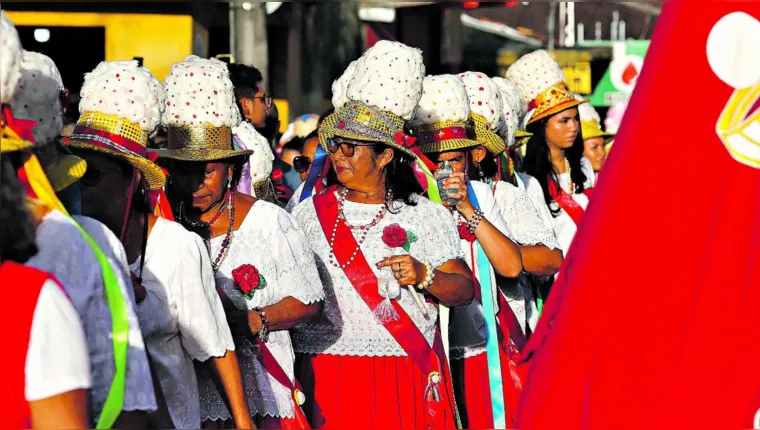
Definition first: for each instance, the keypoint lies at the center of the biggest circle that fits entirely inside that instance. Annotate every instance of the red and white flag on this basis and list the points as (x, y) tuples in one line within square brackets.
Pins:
[(655, 320)]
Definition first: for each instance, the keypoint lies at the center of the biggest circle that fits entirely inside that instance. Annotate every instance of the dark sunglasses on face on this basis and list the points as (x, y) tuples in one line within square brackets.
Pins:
[(301, 164), (347, 148)]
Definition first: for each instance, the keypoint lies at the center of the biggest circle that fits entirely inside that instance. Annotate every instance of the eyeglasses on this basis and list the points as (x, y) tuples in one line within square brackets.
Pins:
[(301, 164), (267, 100), (347, 148)]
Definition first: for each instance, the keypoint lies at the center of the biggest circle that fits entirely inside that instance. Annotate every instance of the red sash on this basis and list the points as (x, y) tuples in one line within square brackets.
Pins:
[(567, 202), (269, 362), (23, 289), (403, 330)]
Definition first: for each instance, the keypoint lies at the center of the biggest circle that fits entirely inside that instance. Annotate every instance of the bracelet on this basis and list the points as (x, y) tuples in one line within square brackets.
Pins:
[(429, 276), (474, 222), (264, 332)]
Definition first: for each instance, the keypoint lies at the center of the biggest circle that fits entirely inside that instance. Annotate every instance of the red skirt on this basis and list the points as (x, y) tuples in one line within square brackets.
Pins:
[(346, 392), (473, 391)]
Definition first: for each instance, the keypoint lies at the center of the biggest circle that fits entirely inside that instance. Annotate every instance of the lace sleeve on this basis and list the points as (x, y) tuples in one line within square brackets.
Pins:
[(439, 237), (202, 323), (588, 170), (296, 268), (491, 209), (523, 218)]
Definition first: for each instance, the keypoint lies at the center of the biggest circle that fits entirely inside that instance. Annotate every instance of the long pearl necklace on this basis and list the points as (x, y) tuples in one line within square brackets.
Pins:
[(363, 230), (571, 187)]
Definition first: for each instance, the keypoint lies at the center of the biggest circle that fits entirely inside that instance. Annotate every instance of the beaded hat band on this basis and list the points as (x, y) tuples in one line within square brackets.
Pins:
[(492, 141), (444, 136)]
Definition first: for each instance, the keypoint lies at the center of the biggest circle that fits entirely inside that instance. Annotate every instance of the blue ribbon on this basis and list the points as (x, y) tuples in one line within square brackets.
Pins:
[(317, 165), (489, 314)]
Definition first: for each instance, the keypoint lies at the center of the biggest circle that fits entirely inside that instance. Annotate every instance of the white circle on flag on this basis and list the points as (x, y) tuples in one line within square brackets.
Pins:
[(732, 50)]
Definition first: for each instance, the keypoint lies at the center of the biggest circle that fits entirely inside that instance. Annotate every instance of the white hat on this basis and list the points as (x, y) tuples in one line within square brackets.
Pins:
[(541, 84), (10, 59), (126, 90), (383, 93), (120, 106), (199, 92), (262, 157), (514, 109), (486, 110), (440, 123), (389, 77), (38, 96), (340, 86)]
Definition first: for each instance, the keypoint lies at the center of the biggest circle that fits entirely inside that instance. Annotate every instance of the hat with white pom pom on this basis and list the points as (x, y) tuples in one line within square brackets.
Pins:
[(542, 86), (382, 93), (591, 126), (200, 111), (486, 110), (514, 111), (38, 99), (440, 123), (120, 107), (340, 86), (15, 135)]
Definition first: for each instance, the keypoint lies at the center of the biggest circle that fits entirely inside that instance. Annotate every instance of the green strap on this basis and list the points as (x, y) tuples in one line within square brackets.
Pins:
[(539, 301), (120, 335)]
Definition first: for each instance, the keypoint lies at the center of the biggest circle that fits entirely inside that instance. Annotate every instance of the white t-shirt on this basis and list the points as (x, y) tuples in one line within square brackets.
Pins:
[(182, 317), (56, 360)]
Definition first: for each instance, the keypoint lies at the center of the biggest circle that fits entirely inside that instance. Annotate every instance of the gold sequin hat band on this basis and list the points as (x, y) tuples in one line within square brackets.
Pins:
[(118, 137), (444, 136), (201, 143)]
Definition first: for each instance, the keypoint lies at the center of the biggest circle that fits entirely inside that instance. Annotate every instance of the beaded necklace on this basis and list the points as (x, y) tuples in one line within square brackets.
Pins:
[(363, 229), (228, 237)]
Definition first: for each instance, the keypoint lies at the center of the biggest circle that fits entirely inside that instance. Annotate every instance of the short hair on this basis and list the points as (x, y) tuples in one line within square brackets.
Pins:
[(245, 79)]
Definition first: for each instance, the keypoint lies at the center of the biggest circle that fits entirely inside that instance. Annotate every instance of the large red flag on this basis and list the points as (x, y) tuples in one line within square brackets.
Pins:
[(655, 320)]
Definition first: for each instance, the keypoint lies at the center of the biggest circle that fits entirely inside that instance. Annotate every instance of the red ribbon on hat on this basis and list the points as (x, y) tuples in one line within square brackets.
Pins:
[(21, 127), (159, 202), (443, 134), (410, 143)]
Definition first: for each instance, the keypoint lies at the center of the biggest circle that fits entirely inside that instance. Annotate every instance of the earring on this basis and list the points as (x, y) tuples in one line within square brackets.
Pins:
[(229, 182)]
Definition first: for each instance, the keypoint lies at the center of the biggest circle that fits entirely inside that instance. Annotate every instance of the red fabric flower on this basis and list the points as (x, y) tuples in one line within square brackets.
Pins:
[(464, 232), (247, 279), (394, 236)]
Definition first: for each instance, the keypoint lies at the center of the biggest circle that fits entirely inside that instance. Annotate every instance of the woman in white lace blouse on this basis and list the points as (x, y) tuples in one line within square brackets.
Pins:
[(375, 359), (265, 273)]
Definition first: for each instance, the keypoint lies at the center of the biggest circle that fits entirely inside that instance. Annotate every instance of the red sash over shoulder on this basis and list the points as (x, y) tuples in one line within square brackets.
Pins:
[(430, 360), (22, 286), (567, 202)]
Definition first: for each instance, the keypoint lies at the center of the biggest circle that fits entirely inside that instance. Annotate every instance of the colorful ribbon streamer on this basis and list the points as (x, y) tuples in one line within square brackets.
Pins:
[(39, 188), (489, 314)]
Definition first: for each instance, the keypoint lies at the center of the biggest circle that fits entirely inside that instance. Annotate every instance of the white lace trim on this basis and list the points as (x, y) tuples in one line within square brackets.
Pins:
[(522, 217), (347, 326), (270, 240)]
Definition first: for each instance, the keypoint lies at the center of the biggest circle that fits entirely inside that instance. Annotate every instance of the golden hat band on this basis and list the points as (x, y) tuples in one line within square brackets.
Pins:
[(552, 101), (739, 133), (492, 141), (201, 143)]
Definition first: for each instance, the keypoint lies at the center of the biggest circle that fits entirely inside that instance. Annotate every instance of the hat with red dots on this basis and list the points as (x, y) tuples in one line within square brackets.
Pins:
[(486, 110)]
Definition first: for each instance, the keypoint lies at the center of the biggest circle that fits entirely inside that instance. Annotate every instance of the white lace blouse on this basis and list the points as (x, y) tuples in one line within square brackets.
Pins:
[(182, 318), (269, 240), (467, 328), (64, 252), (347, 325)]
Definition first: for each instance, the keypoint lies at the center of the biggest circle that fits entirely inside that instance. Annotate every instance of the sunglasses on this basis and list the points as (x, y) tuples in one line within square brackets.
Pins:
[(266, 99), (301, 164), (347, 148)]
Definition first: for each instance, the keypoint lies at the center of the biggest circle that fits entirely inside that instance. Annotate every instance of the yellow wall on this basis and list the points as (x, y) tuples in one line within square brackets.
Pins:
[(161, 40)]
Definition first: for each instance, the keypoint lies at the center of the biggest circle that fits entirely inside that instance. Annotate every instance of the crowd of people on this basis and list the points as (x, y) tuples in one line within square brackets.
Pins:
[(176, 263)]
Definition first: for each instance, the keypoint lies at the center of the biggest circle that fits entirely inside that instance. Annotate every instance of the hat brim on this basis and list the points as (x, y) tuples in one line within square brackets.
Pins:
[(13, 145), (449, 145), (556, 109), (153, 174), (189, 154), (329, 129), (67, 170)]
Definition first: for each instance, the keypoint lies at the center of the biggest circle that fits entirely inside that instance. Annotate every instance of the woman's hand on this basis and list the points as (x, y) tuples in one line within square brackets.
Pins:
[(406, 269), (140, 291), (254, 322), (458, 182)]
